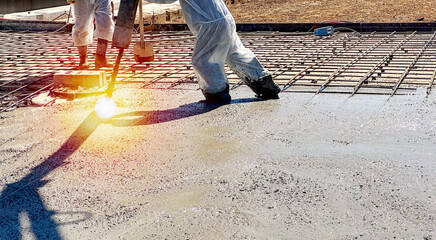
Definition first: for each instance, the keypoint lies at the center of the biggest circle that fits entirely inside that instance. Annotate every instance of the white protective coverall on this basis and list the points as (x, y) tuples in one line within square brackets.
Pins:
[(85, 11), (217, 43)]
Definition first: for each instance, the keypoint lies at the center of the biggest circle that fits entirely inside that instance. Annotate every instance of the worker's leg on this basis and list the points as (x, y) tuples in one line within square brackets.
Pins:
[(245, 64), (83, 29), (104, 31), (243, 61), (208, 25), (83, 55), (209, 57), (100, 56)]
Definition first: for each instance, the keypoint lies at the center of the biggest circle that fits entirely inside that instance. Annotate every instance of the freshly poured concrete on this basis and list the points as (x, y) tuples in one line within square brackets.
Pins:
[(302, 167)]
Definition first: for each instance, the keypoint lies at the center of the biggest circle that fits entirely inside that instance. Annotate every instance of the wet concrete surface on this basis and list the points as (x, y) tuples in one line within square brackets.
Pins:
[(168, 167)]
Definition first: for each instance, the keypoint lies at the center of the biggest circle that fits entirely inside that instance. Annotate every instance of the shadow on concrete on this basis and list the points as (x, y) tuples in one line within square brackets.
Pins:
[(139, 118), (22, 197)]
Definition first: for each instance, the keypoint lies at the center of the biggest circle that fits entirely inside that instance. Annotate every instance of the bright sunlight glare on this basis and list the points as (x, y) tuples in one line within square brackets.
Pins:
[(105, 108)]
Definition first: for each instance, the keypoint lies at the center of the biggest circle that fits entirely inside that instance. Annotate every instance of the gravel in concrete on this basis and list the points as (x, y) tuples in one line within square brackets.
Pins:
[(168, 167)]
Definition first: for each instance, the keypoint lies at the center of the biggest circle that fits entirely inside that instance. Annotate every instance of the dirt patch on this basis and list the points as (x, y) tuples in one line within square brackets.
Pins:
[(313, 11)]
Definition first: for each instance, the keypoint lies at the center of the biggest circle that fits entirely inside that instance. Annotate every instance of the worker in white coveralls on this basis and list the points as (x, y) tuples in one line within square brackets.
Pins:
[(85, 12), (217, 43)]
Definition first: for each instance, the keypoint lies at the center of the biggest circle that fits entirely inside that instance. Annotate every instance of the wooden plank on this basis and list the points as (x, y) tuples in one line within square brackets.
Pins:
[(79, 78)]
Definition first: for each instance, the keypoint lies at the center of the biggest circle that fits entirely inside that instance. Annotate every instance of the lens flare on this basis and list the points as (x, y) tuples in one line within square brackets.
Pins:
[(105, 108)]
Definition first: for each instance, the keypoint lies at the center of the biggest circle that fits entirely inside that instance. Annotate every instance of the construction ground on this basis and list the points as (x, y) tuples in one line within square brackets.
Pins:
[(347, 152)]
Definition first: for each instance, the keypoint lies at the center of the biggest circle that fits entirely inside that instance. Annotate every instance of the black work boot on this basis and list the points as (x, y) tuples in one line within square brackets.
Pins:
[(100, 56), (83, 54), (265, 87), (221, 98)]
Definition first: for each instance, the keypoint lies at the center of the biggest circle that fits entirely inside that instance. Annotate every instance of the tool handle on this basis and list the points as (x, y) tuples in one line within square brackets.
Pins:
[(111, 85), (141, 23)]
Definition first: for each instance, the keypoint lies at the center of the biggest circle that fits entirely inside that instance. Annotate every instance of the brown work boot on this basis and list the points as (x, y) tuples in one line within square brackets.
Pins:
[(83, 54), (100, 56), (265, 87)]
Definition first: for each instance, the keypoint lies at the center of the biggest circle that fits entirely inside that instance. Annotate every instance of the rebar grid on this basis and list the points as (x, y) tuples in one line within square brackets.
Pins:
[(351, 63)]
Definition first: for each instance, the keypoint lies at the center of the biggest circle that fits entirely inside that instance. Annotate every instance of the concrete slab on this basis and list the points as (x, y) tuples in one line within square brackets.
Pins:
[(167, 166), (80, 79), (47, 14)]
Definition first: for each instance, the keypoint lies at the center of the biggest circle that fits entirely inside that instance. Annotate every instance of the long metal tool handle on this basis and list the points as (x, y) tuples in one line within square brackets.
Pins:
[(111, 86), (141, 24)]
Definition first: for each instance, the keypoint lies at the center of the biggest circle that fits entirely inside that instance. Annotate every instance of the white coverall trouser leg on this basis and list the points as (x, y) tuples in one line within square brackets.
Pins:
[(85, 11), (217, 43)]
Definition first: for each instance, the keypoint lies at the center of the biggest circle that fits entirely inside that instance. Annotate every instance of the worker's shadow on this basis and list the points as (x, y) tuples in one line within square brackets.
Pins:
[(138, 118), (22, 197)]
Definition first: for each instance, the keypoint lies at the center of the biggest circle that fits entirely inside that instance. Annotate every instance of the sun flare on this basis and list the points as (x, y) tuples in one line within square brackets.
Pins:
[(105, 108)]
